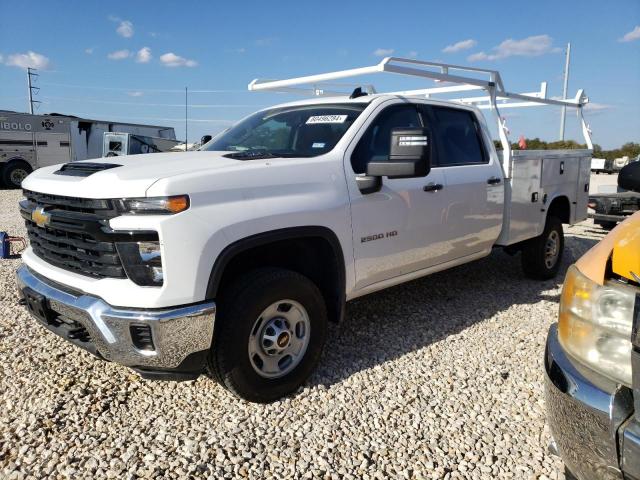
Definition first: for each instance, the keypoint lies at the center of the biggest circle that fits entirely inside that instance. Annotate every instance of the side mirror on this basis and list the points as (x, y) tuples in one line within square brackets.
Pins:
[(629, 177), (409, 155)]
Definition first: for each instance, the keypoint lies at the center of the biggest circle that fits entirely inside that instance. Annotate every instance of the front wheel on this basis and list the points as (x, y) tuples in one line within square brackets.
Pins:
[(270, 330), (541, 256)]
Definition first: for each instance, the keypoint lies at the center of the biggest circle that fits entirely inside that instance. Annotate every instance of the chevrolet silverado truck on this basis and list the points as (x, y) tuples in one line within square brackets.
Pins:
[(232, 259), (592, 359)]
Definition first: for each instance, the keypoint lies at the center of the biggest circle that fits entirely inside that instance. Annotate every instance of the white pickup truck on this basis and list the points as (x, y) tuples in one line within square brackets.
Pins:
[(233, 259)]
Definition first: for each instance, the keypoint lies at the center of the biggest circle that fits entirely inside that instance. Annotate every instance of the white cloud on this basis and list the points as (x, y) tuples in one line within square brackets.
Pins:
[(264, 42), (119, 55), (459, 46), (383, 52), (88, 51), (172, 60), (527, 47), (597, 107), (143, 55), (29, 59), (631, 36), (125, 29), (135, 94)]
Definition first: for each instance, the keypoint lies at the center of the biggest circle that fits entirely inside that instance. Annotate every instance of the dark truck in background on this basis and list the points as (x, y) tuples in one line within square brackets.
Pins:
[(612, 208)]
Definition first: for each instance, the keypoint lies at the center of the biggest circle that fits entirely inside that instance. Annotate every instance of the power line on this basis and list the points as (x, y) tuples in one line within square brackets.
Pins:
[(144, 104), (132, 89)]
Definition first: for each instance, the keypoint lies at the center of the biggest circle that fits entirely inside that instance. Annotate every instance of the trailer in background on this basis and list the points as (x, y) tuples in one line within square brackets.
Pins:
[(119, 143), (28, 142)]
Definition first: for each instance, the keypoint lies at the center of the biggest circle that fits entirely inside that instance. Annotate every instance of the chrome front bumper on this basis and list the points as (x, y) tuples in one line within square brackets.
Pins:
[(178, 335), (588, 415)]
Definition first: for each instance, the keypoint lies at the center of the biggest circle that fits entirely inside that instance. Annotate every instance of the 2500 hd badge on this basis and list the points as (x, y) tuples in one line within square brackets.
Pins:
[(378, 236)]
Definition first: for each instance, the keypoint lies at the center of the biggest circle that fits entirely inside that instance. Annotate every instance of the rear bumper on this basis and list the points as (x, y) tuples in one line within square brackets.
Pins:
[(601, 217), (165, 343), (588, 416)]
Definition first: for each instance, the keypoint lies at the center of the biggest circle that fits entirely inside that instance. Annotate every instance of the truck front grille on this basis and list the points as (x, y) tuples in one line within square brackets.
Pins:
[(76, 252), (74, 234)]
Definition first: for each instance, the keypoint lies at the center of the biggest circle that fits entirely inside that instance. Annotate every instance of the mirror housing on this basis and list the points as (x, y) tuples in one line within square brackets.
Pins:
[(409, 155), (629, 177)]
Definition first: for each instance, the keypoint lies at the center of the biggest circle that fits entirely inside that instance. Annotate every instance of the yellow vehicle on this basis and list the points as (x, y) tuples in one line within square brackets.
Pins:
[(592, 359)]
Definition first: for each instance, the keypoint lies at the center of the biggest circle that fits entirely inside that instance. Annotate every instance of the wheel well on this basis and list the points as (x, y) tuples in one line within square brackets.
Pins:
[(316, 256), (560, 208)]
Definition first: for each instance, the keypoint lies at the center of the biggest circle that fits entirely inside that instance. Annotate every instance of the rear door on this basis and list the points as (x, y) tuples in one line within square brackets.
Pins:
[(52, 148), (474, 192)]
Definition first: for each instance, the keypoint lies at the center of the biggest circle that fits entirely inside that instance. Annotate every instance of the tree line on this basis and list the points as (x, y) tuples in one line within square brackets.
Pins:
[(629, 149)]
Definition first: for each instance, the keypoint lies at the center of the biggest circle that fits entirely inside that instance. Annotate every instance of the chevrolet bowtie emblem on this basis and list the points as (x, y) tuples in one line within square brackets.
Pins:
[(41, 217)]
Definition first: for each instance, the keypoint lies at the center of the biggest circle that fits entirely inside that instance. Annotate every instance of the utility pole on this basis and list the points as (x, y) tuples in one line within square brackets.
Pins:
[(564, 89), (32, 89), (186, 113)]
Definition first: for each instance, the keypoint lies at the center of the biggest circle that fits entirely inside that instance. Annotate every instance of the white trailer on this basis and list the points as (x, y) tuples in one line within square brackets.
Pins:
[(28, 142), (120, 143)]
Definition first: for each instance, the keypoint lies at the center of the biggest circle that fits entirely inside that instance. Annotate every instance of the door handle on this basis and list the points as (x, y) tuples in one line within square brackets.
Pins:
[(432, 187), (494, 181)]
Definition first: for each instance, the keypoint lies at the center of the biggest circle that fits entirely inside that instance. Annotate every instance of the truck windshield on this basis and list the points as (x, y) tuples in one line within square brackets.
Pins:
[(298, 131)]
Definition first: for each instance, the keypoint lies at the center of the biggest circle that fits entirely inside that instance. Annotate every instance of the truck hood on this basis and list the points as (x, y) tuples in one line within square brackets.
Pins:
[(622, 245), (132, 178)]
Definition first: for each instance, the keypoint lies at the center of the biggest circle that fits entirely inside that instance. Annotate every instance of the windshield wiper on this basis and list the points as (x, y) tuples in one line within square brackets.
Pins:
[(251, 155)]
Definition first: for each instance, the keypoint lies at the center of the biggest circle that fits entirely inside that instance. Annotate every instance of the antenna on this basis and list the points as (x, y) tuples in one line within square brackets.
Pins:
[(563, 113), (186, 131), (32, 89)]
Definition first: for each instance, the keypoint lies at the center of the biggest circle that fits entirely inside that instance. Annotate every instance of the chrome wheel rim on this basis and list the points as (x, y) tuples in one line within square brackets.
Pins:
[(279, 339), (17, 176), (552, 249)]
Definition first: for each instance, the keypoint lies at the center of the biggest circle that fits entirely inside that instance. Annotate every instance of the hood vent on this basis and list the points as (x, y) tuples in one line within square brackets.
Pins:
[(84, 169)]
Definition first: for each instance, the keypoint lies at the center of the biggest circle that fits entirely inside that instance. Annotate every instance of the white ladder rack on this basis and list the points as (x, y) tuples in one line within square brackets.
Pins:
[(490, 81)]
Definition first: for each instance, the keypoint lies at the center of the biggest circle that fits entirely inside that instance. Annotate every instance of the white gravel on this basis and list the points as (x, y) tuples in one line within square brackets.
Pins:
[(439, 378)]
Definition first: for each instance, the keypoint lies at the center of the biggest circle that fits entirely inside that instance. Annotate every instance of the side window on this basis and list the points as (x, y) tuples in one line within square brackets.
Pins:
[(376, 141), (457, 137)]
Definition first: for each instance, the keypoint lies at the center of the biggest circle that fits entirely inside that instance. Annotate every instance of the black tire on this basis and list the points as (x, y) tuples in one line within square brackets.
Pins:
[(535, 254), (568, 475), (14, 172), (239, 308), (607, 225)]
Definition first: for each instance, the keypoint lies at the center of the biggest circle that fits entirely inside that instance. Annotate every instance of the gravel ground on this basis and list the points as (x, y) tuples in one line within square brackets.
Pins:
[(438, 378)]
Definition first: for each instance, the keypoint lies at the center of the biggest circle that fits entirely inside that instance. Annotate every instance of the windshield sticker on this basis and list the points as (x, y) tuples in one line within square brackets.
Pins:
[(318, 145), (327, 119)]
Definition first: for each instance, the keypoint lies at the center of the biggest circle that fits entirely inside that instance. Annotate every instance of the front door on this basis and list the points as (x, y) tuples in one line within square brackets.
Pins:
[(397, 230)]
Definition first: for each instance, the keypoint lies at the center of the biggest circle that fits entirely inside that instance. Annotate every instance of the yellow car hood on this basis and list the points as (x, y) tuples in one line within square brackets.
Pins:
[(622, 244)]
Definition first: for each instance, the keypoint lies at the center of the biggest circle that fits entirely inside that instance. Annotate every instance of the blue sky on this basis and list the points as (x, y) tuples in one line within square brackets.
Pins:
[(130, 61)]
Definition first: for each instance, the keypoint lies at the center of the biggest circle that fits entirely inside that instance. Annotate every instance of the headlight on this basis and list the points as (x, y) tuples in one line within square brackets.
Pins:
[(142, 262), (154, 205), (595, 324)]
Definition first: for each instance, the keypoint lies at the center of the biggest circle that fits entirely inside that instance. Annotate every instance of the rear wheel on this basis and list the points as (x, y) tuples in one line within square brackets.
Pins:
[(541, 256), (15, 172), (270, 330)]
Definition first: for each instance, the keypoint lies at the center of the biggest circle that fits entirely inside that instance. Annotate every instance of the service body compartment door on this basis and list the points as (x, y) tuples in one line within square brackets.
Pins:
[(582, 192), (524, 217)]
